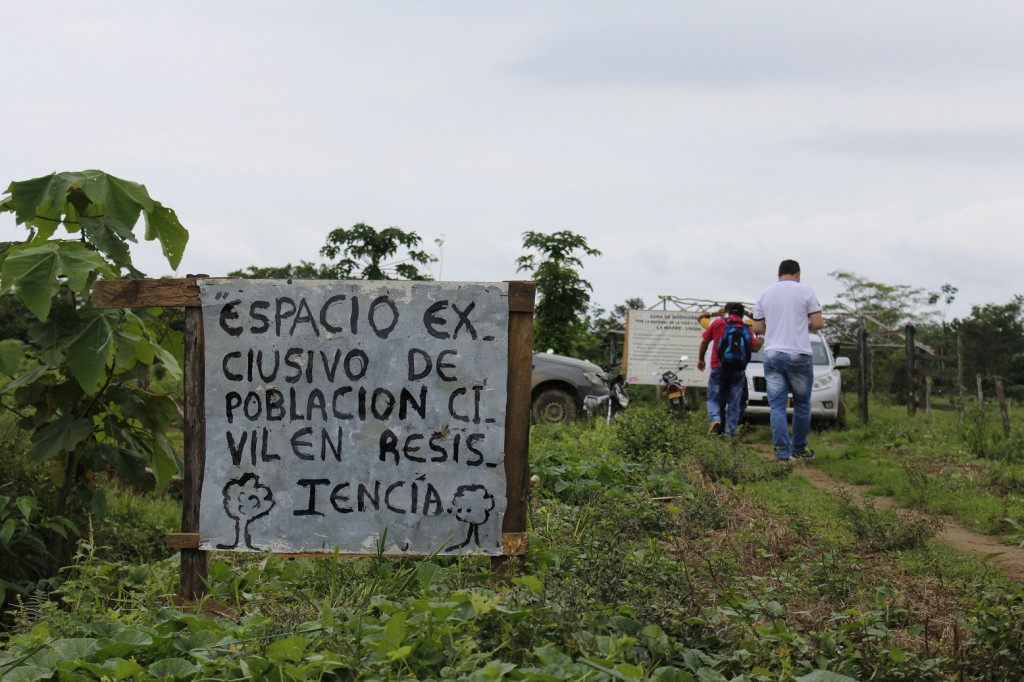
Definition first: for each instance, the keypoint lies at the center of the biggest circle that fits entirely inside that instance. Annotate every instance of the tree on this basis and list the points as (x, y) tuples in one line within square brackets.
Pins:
[(882, 307), (607, 332), (77, 382), (304, 270), (363, 252), (993, 341), (560, 317)]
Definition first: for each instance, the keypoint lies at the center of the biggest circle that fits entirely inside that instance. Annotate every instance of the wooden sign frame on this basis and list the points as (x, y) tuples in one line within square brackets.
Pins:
[(167, 293)]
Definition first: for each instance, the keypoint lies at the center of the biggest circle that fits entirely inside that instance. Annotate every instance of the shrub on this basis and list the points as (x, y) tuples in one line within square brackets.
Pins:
[(884, 530)]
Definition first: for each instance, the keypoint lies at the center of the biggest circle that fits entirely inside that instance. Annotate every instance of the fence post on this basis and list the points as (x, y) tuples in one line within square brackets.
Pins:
[(961, 389), (194, 561), (981, 390), (911, 379), (1003, 411), (928, 395), (862, 373)]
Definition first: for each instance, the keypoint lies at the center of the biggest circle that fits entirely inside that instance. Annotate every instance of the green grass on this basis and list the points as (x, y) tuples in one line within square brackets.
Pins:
[(923, 463), (655, 553)]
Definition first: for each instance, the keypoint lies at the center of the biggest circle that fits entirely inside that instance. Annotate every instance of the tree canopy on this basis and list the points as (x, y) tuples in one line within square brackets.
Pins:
[(560, 318), (358, 252)]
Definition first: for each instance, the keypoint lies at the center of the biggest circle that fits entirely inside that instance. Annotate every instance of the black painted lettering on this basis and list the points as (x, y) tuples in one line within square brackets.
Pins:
[(414, 373), (410, 448), (264, 374), (432, 505), (364, 495), (390, 315), (433, 322), (463, 321), (228, 374), (388, 446), (285, 308), (436, 444), (237, 448), (305, 316), (291, 359), (232, 400), (442, 365), (387, 497), (327, 444), (311, 509), (298, 444), (330, 370), (338, 497), (275, 405), (357, 363), (451, 405), (316, 403), (406, 399), (382, 404), (324, 312), (336, 399), (265, 454), (229, 314), (471, 441), (259, 317)]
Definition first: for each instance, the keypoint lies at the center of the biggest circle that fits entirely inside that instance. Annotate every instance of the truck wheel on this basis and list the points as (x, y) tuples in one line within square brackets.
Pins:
[(553, 406)]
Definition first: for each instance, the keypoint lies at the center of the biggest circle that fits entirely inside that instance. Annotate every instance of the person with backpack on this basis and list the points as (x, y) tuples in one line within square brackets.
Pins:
[(731, 342), (786, 313)]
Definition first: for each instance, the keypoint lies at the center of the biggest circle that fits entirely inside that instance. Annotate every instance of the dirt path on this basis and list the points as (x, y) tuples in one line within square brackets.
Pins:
[(1010, 559)]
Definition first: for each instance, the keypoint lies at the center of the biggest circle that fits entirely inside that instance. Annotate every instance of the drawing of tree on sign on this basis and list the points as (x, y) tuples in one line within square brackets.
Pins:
[(246, 499), (471, 504)]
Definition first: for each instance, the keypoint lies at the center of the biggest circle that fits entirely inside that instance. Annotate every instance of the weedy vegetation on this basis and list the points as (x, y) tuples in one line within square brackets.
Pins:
[(656, 553)]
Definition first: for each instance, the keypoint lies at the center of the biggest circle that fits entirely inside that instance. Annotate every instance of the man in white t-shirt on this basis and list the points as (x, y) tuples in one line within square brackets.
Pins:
[(786, 313)]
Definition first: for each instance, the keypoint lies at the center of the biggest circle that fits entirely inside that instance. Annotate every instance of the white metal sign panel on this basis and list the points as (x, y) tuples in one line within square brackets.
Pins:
[(656, 339), (361, 416)]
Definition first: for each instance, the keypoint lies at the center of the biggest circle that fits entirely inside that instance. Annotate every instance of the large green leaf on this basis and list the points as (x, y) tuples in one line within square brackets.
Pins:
[(105, 207), (90, 351), (34, 271), (11, 353), (162, 223), (48, 192), (59, 436)]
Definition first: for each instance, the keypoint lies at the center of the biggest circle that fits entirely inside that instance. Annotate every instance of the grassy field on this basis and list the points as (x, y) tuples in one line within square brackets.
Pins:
[(655, 553)]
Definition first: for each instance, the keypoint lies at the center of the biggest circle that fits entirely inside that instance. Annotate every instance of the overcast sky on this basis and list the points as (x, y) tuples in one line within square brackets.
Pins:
[(695, 144)]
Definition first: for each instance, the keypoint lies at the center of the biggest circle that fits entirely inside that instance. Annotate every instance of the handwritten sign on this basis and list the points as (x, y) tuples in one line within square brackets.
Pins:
[(358, 416), (656, 339)]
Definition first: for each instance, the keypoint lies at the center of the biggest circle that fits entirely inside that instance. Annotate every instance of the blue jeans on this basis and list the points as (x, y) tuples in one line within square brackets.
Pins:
[(786, 373), (725, 397), (714, 397)]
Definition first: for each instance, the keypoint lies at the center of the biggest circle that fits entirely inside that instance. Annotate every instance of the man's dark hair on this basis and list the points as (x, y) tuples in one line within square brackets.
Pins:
[(734, 309), (789, 267)]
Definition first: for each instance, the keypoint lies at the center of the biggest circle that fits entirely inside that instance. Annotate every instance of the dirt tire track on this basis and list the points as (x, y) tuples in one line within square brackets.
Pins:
[(1010, 559)]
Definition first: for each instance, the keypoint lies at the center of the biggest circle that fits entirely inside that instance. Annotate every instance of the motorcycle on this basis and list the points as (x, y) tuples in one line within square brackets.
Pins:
[(612, 404), (672, 388)]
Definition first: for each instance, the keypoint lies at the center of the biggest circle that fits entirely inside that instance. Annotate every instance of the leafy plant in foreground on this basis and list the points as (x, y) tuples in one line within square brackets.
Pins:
[(84, 392)]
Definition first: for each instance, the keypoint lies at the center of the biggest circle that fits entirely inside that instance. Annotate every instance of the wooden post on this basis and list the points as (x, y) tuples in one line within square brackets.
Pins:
[(911, 378), (521, 297), (862, 373), (961, 389), (195, 563), (981, 390), (928, 395), (1004, 413)]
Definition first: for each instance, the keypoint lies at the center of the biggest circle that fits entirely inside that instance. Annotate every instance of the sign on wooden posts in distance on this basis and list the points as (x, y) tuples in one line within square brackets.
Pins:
[(358, 416), (656, 339)]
